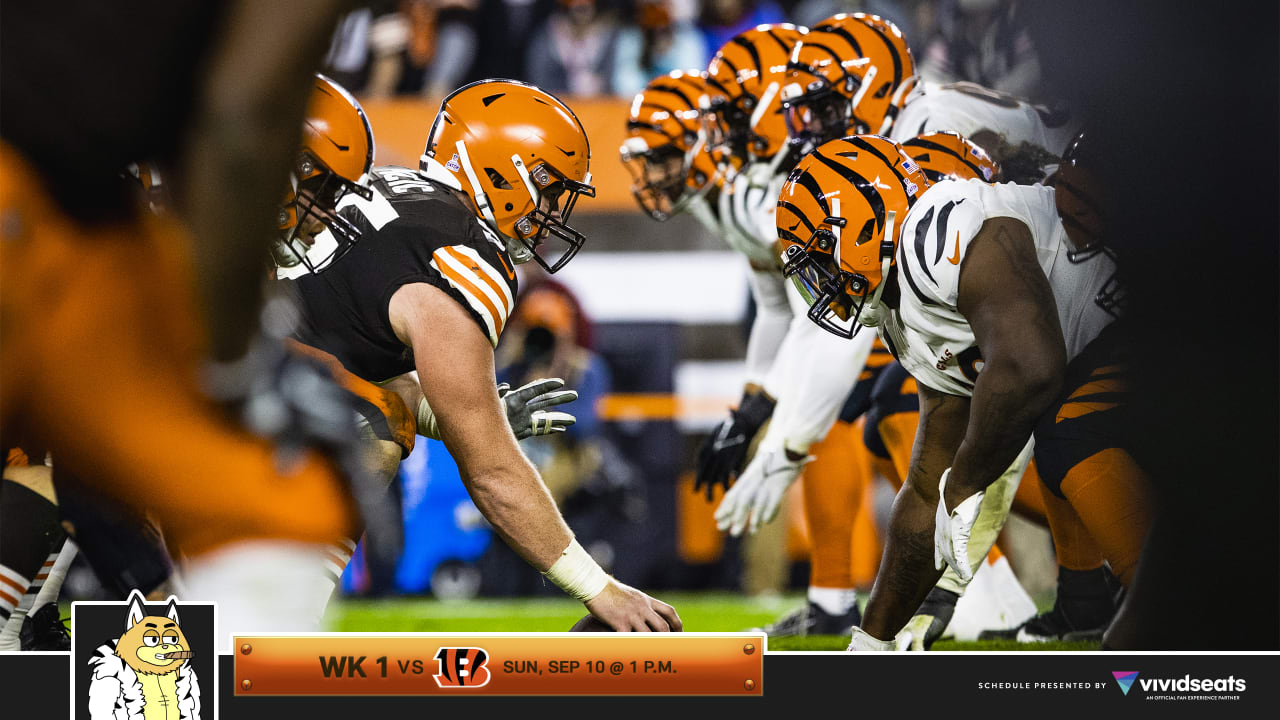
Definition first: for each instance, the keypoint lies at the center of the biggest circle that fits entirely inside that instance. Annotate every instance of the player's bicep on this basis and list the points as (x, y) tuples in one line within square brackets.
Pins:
[(455, 367), (1007, 300)]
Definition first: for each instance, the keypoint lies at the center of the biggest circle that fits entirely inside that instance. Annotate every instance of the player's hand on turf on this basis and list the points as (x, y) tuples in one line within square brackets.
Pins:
[(723, 454), (626, 609), (526, 405), (754, 499), (952, 530)]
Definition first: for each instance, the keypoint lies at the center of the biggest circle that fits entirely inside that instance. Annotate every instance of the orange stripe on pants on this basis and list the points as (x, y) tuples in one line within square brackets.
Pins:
[(1110, 494), (834, 486)]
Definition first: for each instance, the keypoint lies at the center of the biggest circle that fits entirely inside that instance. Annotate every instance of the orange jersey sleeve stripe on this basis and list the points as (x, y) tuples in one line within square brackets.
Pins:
[(475, 297), (484, 277)]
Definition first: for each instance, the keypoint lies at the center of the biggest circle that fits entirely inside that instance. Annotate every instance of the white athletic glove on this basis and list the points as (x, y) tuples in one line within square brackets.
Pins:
[(951, 531), (525, 406), (754, 498), (862, 642)]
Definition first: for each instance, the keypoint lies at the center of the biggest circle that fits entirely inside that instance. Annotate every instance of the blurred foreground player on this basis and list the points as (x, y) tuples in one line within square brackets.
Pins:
[(429, 288), (109, 315)]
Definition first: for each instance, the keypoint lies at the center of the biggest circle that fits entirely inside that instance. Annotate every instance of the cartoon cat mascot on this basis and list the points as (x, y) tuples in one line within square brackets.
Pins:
[(147, 675)]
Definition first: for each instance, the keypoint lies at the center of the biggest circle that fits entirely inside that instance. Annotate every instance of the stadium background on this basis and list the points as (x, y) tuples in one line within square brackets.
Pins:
[(664, 307)]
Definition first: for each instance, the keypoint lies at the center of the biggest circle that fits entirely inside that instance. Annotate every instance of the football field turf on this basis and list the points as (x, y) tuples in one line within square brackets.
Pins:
[(701, 612)]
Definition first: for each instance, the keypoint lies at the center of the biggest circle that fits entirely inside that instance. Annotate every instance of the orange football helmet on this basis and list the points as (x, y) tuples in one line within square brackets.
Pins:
[(849, 74), (666, 146), (745, 121), (947, 154), (839, 219), (522, 157), (335, 159)]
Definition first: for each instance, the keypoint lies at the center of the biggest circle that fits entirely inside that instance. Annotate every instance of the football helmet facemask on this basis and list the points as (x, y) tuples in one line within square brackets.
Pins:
[(335, 159), (839, 219), (666, 147), (523, 159)]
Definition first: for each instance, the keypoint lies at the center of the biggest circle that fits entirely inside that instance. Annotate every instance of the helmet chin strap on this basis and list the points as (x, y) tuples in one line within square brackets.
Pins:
[(870, 315)]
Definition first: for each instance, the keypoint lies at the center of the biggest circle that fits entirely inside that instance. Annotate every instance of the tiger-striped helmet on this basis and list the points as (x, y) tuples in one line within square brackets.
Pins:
[(746, 76), (839, 218), (849, 74), (946, 154), (666, 147)]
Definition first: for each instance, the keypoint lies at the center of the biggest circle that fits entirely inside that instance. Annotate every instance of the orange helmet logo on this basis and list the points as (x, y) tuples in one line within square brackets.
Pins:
[(839, 217), (335, 159), (522, 157), (666, 149)]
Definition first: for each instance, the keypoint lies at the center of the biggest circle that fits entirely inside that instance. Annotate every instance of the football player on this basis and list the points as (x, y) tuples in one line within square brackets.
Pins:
[(147, 321), (666, 149), (675, 169), (429, 288), (747, 135), (855, 73), (992, 358), (844, 81)]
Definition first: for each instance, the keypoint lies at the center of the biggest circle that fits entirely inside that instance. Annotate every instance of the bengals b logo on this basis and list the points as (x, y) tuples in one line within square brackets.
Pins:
[(461, 667)]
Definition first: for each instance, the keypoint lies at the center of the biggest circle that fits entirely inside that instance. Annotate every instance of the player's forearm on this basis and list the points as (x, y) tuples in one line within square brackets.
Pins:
[(1009, 398), (906, 571), (770, 326), (516, 503), (821, 371)]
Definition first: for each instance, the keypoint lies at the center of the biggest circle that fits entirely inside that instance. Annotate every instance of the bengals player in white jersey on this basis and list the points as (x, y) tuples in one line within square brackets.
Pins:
[(994, 298), (843, 81), (428, 288)]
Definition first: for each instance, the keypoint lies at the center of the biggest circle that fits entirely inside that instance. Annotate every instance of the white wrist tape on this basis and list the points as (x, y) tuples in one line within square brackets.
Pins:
[(427, 421), (577, 573)]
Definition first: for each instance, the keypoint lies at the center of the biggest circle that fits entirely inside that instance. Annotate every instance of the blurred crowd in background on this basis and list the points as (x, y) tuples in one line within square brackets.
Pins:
[(587, 48)]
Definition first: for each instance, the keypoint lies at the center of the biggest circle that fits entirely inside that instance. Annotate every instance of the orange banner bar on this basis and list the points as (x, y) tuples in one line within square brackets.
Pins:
[(498, 664)]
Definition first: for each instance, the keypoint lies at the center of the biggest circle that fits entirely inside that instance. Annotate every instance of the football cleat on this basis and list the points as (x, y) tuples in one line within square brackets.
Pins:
[(44, 630), (811, 619), (1087, 601)]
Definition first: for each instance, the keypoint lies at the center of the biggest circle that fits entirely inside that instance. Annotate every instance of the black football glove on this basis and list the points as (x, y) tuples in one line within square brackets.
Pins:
[(724, 452)]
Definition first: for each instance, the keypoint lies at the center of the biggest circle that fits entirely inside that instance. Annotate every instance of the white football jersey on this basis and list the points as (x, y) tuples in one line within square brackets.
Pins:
[(930, 337), (967, 108), (748, 205)]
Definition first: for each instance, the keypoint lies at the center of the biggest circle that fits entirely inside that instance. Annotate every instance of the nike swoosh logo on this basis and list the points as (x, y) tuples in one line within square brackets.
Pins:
[(511, 275), (955, 257), (793, 227)]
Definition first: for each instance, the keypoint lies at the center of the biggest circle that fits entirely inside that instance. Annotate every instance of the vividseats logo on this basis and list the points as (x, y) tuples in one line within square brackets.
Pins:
[(1125, 678), (1183, 688)]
